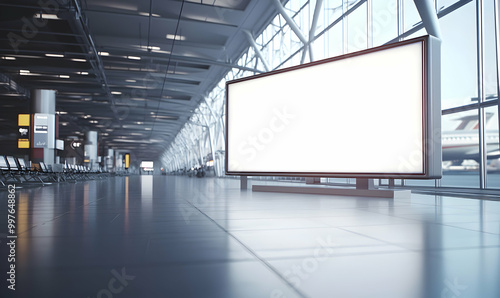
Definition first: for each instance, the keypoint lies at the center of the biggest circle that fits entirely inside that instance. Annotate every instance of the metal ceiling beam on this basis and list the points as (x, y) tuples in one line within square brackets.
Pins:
[(314, 24), (290, 22), (13, 86), (427, 13), (96, 61), (257, 50)]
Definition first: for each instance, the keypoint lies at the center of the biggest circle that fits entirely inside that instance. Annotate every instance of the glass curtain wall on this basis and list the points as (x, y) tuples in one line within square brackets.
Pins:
[(470, 129)]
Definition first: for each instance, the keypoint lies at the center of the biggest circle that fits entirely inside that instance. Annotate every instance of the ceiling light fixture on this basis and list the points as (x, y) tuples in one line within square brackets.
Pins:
[(176, 37), (116, 92), (153, 48), (64, 76), (133, 58), (55, 55), (46, 16), (9, 58), (78, 60), (103, 54), (130, 81), (146, 14)]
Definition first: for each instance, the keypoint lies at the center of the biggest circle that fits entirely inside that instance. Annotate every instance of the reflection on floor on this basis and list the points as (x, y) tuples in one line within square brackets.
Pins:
[(171, 236)]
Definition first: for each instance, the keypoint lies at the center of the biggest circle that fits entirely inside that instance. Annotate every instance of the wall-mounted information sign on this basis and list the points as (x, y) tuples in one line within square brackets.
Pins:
[(43, 131), (127, 161), (23, 132)]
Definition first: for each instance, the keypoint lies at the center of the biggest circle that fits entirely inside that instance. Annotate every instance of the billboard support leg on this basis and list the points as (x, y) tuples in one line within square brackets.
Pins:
[(364, 183), (243, 182)]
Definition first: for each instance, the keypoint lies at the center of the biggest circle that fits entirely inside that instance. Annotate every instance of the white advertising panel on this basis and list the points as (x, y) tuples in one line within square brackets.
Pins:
[(374, 113), (44, 131)]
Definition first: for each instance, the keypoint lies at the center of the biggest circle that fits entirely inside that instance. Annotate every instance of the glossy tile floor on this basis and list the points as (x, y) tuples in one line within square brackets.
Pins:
[(171, 236)]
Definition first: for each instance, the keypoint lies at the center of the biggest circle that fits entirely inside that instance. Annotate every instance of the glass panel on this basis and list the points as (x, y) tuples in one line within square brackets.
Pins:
[(460, 141), (493, 149), (356, 22), (411, 16), (332, 9), (385, 21), (445, 3), (490, 59), (458, 56)]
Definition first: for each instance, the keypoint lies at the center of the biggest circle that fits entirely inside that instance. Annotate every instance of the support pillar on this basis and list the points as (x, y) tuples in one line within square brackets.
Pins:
[(43, 138), (109, 160), (430, 20), (90, 149)]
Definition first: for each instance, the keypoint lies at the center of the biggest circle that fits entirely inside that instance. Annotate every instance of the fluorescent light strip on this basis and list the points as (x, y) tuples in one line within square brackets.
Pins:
[(176, 37), (55, 55), (46, 16), (9, 58), (78, 60), (133, 58), (146, 14), (103, 54)]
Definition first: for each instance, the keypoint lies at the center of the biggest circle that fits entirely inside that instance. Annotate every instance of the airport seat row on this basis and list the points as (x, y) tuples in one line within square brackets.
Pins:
[(15, 170)]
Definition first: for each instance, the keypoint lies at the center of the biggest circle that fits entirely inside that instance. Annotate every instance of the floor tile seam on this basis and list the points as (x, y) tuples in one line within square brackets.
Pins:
[(143, 264), (57, 217), (377, 239), (291, 217), (43, 223), (434, 222), (253, 253), (468, 229), (329, 226), (343, 255)]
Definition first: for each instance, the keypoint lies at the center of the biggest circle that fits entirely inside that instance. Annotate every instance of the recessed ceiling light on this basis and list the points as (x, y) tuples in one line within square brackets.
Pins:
[(83, 73), (116, 92), (64, 76), (176, 37), (130, 81), (133, 58), (103, 54), (148, 128), (146, 14), (24, 71), (55, 55), (153, 48), (94, 121), (78, 60), (9, 58), (46, 16), (139, 122)]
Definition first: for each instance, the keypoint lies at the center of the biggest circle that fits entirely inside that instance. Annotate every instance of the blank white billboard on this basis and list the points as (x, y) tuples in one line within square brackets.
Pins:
[(374, 113)]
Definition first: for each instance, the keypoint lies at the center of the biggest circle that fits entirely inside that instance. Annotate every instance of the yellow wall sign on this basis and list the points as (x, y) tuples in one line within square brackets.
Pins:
[(127, 160), (24, 120), (23, 143)]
